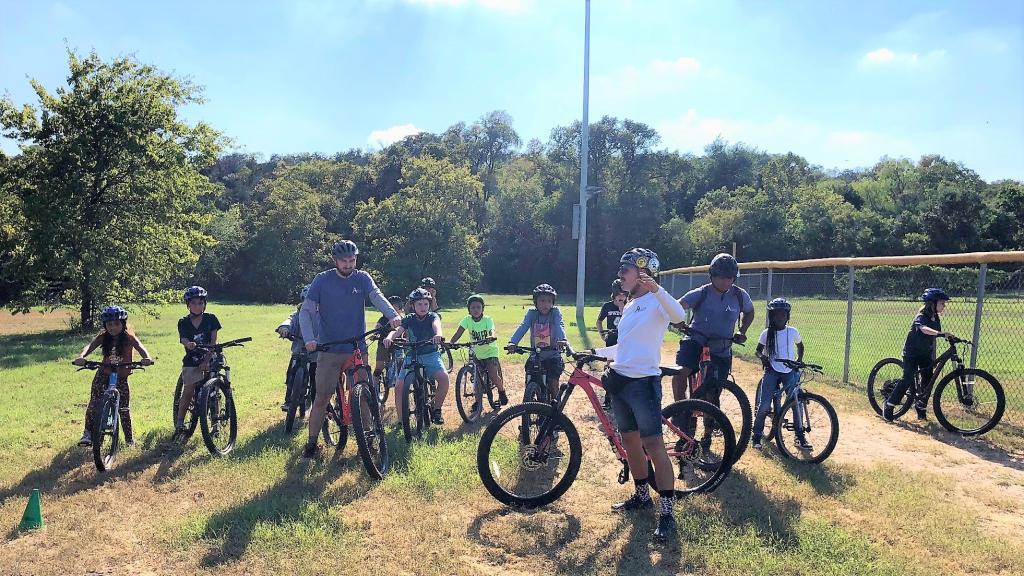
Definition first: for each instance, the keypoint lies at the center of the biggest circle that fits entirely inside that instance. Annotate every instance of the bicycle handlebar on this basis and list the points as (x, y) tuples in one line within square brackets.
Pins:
[(228, 344), (517, 349), (957, 340), (583, 357), (326, 346), (454, 346), (690, 331), (93, 365), (798, 365), (404, 343)]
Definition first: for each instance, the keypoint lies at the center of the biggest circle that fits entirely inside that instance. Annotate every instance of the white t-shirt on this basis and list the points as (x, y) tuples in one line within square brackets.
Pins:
[(785, 347), (641, 331)]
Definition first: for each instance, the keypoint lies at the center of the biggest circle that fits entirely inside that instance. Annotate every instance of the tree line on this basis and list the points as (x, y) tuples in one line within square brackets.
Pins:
[(115, 197)]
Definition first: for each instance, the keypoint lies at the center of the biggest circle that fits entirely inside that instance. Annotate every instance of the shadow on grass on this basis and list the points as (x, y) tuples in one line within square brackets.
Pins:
[(745, 504), (18, 350), (825, 478)]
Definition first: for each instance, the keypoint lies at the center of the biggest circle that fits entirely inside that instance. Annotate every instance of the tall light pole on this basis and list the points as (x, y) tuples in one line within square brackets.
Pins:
[(581, 253)]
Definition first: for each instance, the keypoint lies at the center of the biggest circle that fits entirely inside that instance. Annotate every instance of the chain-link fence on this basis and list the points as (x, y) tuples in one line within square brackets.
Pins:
[(852, 315)]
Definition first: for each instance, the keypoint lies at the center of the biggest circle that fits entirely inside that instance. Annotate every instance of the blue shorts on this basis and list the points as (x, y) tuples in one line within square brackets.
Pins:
[(431, 362), (637, 407)]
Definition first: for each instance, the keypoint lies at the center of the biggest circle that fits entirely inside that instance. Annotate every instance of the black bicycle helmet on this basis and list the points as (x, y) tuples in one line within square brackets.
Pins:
[(419, 294), (193, 292), (617, 286), (725, 266), (113, 313), (934, 295), (343, 249), (475, 298), (780, 304), (428, 282), (643, 259), (544, 289)]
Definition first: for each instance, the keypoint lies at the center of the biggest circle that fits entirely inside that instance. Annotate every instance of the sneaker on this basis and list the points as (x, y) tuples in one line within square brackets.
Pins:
[(475, 406), (756, 444), (129, 443), (502, 398), (607, 404), (633, 503), (803, 444), (887, 412), (666, 528), (285, 406), (436, 417), (312, 450), (86, 440), (922, 414), (180, 434)]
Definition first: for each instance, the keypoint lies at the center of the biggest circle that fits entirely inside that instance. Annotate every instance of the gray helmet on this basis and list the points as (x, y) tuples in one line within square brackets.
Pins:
[(428, 282), (419, 294), (193, 292), (344, 248), (643, 259), (544, 289), (725, 266), (475, 298)]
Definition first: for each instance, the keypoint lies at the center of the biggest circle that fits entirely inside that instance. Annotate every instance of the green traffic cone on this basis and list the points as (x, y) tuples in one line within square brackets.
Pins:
[(33, 516)]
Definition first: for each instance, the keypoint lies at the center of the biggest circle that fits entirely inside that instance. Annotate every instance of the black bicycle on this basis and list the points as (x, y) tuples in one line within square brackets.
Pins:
[(538, 387), (419, 390), (106, 424), (301, 386), (967, 401), (806, 427), (473, 382), (213, 403)]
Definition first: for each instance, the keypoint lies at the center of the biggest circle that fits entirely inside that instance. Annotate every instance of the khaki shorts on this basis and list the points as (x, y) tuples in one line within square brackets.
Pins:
[(191, 375), (489, 363), (328, 370)]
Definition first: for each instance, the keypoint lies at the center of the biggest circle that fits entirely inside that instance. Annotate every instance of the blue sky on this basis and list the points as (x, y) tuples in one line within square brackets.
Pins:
[(841, 83)]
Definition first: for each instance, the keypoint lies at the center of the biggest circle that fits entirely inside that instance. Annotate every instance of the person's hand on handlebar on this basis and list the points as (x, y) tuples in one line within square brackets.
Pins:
[(561, 344), (311, 346), (437, 339), (146, 361), (387, 341), (510, 347), (283, 331), (78, 361), (395, 322), (739, 338), (190, 345)]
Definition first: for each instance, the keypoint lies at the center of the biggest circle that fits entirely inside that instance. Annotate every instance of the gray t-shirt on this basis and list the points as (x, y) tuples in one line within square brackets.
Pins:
[(716, 314)]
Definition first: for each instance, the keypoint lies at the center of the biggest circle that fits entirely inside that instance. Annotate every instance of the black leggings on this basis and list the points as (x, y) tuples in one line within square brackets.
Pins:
[(292, 366), (912, 365)]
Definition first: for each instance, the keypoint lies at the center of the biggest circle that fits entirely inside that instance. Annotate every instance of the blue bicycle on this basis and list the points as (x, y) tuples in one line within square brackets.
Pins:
[(106, 439)]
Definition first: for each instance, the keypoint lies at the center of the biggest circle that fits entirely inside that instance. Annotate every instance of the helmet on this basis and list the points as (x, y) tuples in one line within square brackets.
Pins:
[(779, 304), (305, 292), (725, 266), (193, 292), (544, 289), (643, 259), (419, 294), (428, 281), (617, 286), (396, 301), (344, 248), (113, 313), (475, 298), (934, 295)]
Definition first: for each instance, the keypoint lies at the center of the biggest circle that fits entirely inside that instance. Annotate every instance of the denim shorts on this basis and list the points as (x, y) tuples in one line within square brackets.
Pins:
[(637, 407), (431, 362)]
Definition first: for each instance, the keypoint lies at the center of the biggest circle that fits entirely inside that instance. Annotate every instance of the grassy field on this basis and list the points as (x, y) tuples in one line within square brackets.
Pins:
[(907, 499)]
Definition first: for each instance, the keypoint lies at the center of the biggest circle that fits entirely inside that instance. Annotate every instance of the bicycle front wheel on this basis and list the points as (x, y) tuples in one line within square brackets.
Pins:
[(105, 436), (217, 418), (533, 472), (969, 401), (411, 409), (702, 460), (297, 398), (815, 419), (468, 393), (369, 429)]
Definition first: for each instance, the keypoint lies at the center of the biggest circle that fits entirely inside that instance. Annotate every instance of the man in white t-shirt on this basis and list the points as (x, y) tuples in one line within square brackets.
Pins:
[(777, 342)]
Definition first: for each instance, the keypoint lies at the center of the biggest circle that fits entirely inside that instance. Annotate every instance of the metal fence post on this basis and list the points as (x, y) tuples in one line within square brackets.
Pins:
[(849, 326), (768, 298), (672, 286), (691, 282), (982, 272)]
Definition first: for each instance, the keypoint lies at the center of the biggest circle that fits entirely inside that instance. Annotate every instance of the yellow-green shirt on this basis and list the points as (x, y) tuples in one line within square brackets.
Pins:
[(478, 331)]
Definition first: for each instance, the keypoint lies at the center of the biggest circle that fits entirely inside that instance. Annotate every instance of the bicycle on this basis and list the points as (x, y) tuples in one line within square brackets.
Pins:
[(735, 404), (106, 423), (391, 369), (523, 463), (537, 387), (365, 419), (472, 382), (967, 401), (804, 411), (418, 395), (213, 403), (301, 387)]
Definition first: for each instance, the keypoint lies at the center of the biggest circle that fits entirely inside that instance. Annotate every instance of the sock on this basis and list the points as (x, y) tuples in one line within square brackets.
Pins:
[(666, 499), (641, 489)]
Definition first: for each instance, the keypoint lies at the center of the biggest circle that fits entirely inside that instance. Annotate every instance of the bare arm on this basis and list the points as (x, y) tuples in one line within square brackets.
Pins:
[(799, 351), (457, 335), (91, 346)]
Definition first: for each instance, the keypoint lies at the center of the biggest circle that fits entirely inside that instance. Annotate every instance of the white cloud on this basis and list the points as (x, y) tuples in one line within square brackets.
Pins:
[(655, 78), (391, 135), (884, 56), (880, 55)]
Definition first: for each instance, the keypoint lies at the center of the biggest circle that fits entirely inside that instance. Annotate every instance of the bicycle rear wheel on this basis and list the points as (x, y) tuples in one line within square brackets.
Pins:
[(734, 403), (105, 433), (469, 393), (217, 418), (191, 416), (334, 430), (818, 421), (969, 401), (533, 472), (885, 376), (702, 462), (369, 429)]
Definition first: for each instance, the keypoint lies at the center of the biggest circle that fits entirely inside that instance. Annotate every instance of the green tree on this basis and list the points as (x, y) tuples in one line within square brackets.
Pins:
[(109, 181)]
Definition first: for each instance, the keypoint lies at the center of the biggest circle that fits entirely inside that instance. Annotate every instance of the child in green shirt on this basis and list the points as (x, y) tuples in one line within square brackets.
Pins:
[(481, 327)]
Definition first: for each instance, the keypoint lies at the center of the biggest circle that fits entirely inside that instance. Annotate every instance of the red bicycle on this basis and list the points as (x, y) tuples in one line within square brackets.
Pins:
[(366, 419), (530, 454)]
